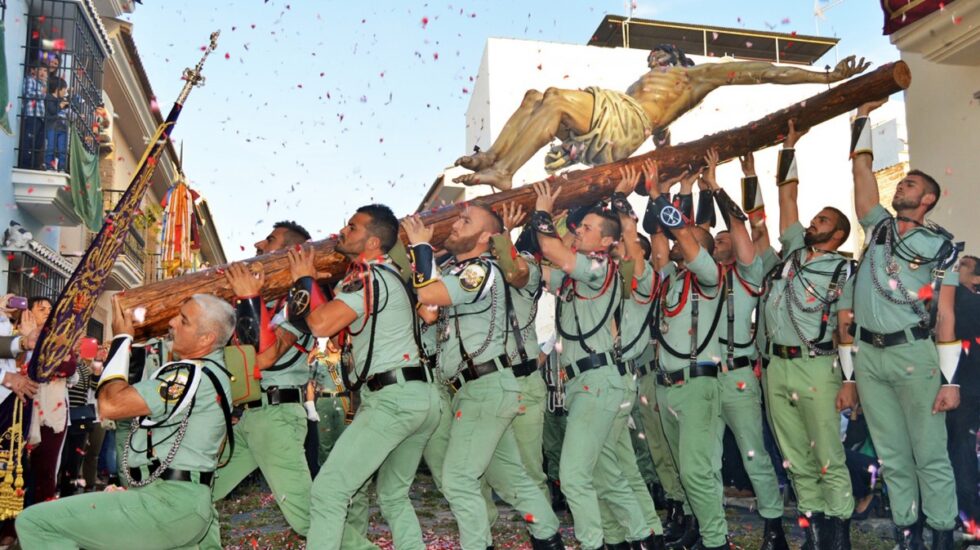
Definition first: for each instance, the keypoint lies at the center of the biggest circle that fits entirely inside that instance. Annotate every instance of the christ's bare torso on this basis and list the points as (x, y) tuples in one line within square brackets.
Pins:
[(665, 94)]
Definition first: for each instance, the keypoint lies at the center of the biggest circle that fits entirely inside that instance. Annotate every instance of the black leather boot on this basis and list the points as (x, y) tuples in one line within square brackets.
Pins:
[(653, 542), (553, 542), (689, 537), (774, 537), (558, 503), (814, 531), (839, 534), (674, 523), (618, 545), (910, 537), (942, 540)]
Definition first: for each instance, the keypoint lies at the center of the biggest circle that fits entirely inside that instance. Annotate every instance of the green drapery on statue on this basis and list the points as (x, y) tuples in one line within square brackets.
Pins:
[(4, 91), (86, 188)]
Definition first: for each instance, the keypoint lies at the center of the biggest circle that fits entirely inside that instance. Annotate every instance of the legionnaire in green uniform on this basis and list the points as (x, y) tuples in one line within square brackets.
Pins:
[(554, 421), (472, 356), (182, 416), (374, 312), (587, 290), (741, 393), (804, 390), (333, 401), (271, 431), (903, 296), (334, 411), (656, 441), (688, 391), (524, 287), (633, 317)]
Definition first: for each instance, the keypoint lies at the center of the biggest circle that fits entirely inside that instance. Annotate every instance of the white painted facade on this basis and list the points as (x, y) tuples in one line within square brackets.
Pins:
[(943, 110)]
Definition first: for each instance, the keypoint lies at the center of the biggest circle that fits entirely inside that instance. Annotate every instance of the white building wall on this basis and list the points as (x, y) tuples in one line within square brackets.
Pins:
[(944, 140)]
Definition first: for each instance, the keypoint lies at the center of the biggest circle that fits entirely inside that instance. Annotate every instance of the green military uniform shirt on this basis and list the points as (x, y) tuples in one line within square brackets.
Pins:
[(290, 370), (394, 337), (745, 281), (525, 304), (589, 293), (871, 309), (803, 311), (676, 330), (205, 430), (476, 288), (636, 317), (769, 261)]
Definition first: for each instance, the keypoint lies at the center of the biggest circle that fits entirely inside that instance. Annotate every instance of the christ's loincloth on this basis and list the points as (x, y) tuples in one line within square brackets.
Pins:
[(619, 126)]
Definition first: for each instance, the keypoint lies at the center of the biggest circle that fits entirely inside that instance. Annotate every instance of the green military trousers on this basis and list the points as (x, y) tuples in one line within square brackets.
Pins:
[(482, 445), (434, 454), (741, 409), (663, 460), (164, 514), (271, 438), (898, 386), (691, 415), (554, 434), (529, 428), (330, 425), (801, 395), (387, 436), (631, 520), (644, 460), (598, 405)]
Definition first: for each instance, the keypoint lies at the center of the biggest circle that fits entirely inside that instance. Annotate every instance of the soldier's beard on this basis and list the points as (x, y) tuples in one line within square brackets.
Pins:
[(903, 203), (813, 239), (676, 255), (350, 249), (459, 245)]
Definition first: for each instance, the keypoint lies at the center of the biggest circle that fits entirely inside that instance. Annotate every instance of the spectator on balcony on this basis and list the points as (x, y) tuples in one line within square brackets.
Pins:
[(56, 109), (32, 129), (54, 72)]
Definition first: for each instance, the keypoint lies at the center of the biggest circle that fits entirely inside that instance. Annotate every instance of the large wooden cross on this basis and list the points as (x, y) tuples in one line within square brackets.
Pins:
[(162, 299)]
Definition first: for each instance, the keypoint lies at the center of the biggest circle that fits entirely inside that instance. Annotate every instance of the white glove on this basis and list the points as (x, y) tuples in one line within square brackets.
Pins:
[(311, 413)]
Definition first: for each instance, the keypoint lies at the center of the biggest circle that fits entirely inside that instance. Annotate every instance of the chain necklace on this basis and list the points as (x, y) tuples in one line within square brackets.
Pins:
[(794, 302), (156, 473), (443, 324), (892, 269)]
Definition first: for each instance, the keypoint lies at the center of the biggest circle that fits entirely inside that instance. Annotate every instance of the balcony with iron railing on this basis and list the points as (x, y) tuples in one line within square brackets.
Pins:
[(60, 99), (131, 267)]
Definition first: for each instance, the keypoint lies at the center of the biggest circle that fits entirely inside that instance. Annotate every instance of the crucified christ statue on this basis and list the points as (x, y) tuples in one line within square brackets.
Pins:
[(597, 126)]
